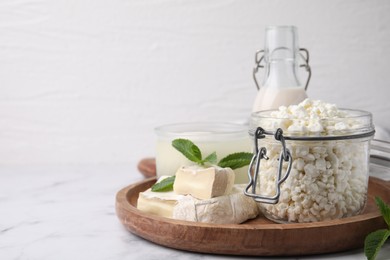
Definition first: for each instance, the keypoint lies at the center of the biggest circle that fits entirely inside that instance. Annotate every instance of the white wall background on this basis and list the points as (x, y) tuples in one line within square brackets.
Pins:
[(87, 81)]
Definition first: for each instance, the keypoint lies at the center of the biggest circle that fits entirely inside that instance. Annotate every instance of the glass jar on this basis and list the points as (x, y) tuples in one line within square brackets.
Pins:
[(222, 138), (299, 175)]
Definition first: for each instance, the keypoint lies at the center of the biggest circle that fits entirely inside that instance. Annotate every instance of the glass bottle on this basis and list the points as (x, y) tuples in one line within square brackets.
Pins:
[(281, 85)]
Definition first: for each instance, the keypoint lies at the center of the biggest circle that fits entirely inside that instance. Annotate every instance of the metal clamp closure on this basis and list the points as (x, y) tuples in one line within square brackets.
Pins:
[(254, 166), (259, 59)]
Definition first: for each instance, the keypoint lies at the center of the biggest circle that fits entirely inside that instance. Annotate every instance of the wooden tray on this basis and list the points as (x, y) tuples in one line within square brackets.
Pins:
[(260, 236)]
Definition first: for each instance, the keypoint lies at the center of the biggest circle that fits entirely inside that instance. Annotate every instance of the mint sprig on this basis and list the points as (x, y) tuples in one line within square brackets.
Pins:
[(375, 240), (236, 160), (211, 158), (193, 153), (164, 185), (188, 149)]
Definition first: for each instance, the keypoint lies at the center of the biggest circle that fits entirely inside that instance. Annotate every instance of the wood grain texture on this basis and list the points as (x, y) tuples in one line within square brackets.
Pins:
[(260, 236)]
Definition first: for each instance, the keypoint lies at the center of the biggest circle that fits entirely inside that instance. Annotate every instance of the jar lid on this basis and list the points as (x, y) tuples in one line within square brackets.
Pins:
[(347, 122)]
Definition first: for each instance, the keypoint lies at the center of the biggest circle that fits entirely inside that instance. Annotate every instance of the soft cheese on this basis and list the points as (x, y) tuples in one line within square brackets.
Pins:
[(233, 208), (157, 203), (204, 183)]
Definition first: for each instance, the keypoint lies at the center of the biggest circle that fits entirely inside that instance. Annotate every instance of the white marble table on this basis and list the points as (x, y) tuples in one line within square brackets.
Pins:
[(67, 212)]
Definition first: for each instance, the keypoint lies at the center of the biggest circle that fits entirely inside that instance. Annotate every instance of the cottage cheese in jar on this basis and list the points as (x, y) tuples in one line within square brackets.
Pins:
[(328, 153)]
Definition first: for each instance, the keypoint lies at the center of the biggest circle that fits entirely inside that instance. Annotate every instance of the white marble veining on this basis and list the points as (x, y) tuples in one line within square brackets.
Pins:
[(67, 212)]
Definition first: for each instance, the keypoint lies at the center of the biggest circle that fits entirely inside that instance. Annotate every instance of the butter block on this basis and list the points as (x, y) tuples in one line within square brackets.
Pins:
[(233, 208), (204, 183)]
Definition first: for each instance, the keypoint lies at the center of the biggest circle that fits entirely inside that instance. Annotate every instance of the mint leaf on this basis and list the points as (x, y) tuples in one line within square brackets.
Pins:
[(236, 160), (188, 149), (384, 209), (211, 158), (193, 153), (374, 241), (164, 185)]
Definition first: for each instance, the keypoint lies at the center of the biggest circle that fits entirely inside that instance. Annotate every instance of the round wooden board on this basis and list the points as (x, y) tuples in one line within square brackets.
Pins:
[(259, 236)]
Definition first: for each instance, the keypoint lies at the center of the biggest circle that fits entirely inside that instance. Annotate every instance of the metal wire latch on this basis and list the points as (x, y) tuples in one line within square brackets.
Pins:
[(254, 166), (259, 59)]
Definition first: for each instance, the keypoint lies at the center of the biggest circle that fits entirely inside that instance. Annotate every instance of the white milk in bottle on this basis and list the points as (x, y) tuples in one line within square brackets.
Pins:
[(280, 86)]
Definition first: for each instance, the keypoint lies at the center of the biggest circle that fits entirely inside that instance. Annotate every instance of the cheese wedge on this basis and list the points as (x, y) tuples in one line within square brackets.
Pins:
[(233, 208), (204, 183), (157, 203)]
